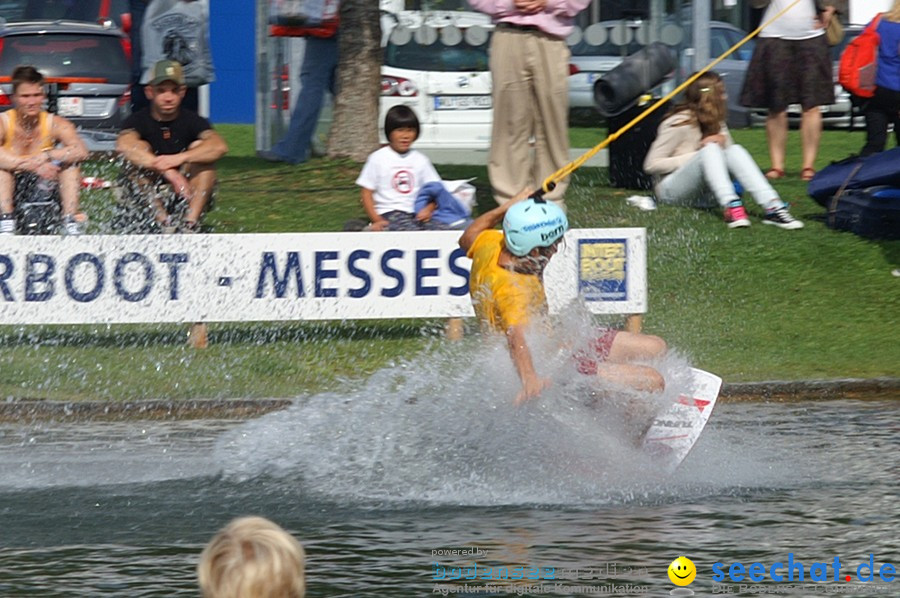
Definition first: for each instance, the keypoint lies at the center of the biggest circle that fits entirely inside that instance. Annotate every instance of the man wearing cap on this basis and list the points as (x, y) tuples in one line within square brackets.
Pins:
[(173, 146)]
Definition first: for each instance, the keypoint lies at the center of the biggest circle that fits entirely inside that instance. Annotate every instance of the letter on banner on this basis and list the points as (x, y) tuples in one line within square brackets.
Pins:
[(269, 267)]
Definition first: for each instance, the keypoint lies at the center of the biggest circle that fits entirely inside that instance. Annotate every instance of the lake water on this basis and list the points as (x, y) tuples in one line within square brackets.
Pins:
[(381, 492)]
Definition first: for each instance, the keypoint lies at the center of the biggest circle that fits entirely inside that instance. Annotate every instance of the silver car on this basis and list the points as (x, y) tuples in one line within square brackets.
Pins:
[(87, 67), (590, 61)]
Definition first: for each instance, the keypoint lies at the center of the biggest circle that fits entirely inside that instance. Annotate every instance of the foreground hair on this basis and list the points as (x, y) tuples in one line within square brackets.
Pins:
[(252, 557)]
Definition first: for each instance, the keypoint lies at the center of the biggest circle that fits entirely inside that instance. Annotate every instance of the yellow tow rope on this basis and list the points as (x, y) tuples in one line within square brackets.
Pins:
[(550, 182)]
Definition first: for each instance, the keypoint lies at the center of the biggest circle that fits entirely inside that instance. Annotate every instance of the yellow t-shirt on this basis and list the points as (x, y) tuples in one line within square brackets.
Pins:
[(43, 141), (502, 298)]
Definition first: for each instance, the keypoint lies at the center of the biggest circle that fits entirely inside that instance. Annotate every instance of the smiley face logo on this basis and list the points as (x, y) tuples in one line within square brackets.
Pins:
[(682, 571)]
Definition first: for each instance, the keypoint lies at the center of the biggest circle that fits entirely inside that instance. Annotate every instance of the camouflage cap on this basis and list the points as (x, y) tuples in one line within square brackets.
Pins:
[(167, 70)]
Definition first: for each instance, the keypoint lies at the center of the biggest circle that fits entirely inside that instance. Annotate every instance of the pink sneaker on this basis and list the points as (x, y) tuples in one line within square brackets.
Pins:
[(736, 217)]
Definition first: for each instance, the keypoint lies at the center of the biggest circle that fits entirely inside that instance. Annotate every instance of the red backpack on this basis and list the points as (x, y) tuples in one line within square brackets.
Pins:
[(859, 62)]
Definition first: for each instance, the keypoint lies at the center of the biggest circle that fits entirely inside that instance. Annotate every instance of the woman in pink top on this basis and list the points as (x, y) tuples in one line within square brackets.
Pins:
[(530, 74)]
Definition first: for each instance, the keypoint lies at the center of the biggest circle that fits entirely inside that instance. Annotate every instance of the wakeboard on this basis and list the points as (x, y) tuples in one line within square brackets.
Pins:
[(675, 430)]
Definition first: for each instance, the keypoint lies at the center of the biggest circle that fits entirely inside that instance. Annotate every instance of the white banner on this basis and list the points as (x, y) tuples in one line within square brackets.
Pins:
[(296, 276)]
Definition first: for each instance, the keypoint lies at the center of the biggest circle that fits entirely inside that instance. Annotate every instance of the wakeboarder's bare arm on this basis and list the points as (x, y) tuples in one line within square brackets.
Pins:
[(488, 220), (532, 384)]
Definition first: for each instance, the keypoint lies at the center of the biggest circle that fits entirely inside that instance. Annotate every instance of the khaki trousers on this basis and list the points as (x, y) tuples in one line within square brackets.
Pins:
[(530, 75)]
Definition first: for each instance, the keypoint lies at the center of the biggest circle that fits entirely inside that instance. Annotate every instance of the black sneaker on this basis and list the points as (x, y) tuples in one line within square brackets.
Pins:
[(781, 218)]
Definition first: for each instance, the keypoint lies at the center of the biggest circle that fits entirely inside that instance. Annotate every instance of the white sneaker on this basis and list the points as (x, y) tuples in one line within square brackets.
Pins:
[(168, 226), (7, 225), (73, 224)]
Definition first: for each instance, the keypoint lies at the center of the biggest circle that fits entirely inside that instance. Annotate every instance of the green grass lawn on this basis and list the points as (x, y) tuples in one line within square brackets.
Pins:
[(748, 304)]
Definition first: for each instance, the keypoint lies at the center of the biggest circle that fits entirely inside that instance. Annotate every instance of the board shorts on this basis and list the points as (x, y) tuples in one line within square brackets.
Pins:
[(588, 359)]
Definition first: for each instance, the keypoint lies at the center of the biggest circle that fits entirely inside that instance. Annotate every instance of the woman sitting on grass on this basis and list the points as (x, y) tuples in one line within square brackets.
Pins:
[(694, 157)]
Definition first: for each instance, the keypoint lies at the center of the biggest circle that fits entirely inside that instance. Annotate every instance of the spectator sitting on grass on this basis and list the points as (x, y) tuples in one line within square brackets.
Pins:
[(694, 157), (252, 557), (393, 175), (172, 146), (36, 145)]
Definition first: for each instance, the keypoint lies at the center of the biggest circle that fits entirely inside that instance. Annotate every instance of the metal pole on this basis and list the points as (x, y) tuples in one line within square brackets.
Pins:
[(657, 18), (262, 75), (700, 27)]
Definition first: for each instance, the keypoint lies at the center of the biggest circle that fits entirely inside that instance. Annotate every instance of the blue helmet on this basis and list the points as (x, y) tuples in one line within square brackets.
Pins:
[(529, 224)]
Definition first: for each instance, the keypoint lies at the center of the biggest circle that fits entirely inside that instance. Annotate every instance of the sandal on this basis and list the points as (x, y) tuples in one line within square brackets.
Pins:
[(807, 173), (774, 173)]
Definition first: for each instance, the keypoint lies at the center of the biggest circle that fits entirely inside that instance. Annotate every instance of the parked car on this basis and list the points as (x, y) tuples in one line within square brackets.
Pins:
[(438, 66), (87, 67), (590, 62), (93, 11), (838, 114)]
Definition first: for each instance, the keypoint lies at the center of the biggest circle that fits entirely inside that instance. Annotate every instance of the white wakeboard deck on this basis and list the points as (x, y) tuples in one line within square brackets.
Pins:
[(675, 429)]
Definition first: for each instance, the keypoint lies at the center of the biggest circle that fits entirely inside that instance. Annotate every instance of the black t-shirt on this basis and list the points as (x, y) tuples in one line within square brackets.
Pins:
[(171, 136)]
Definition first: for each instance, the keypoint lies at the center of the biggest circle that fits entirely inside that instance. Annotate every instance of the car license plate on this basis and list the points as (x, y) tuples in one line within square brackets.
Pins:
[(462, 102), (70, 106)]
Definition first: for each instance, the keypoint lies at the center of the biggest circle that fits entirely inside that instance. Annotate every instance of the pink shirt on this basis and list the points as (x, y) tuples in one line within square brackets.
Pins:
[(556, 19)]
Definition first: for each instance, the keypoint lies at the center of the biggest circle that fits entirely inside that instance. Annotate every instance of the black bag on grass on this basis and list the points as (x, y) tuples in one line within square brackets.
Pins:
[(873, 212), (855, 172)]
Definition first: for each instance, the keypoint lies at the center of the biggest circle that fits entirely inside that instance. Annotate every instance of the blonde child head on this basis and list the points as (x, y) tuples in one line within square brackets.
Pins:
[(252, 557), (894, 13)]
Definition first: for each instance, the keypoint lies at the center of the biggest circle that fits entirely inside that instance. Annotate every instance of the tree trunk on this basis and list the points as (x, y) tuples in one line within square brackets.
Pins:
[(354, 130)]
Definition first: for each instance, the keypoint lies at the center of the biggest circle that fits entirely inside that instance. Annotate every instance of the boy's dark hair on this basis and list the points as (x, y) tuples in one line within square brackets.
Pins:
[(26, 74), (400, 117)]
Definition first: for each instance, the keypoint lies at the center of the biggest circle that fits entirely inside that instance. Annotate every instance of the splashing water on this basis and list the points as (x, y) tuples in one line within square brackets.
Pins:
[(441, 427)]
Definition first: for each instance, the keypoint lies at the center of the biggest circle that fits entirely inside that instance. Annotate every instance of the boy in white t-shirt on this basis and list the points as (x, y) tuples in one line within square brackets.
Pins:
[(393, 176)]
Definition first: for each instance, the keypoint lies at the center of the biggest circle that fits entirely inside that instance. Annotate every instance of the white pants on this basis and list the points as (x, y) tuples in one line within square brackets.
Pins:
[(709, 174)]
